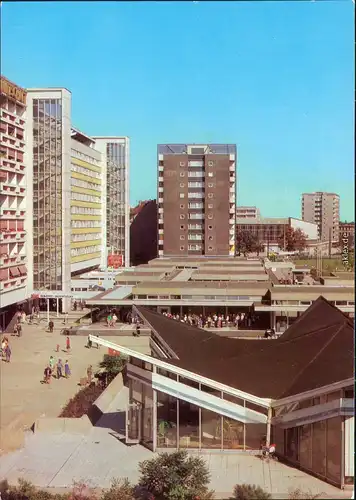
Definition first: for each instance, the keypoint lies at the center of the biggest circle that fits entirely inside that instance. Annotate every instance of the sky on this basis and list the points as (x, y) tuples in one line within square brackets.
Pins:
[(274, 78)]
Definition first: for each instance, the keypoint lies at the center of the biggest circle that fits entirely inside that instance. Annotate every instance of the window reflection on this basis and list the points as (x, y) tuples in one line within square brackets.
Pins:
[(255, 434), (233, 434), (189, 435), (166, 421), (305, 446), (210, 429), (318, 447), (333, 445)]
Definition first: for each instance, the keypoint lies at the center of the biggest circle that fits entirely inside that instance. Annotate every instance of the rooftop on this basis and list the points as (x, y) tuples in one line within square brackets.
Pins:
[(317, 350)]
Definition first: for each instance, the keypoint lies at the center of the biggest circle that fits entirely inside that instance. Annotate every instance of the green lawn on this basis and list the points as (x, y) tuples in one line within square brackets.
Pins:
[(329, 264)]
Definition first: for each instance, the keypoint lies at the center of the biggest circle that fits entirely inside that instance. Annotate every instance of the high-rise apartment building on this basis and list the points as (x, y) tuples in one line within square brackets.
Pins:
[(13, 200), (87, 203), (49, 187), (196, 199), (115, 156), (324, 210)]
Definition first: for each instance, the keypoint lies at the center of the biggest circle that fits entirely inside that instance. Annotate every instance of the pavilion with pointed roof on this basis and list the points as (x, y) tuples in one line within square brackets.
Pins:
[(198, 390)]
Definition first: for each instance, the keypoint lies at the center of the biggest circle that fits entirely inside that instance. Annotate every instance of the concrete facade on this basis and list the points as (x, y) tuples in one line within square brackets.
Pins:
[(196, 199), (323, 209)]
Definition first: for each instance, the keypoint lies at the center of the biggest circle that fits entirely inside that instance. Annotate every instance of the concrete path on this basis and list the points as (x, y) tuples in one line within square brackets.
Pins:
[(56, 461), (24, 398)]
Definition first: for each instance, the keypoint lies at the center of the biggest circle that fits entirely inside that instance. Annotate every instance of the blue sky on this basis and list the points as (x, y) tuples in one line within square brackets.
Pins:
[(276, 78)]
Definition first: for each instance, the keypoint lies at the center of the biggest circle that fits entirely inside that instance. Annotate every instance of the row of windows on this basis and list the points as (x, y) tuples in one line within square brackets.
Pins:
[(84, 251), (86, 237), (309, 302), (194, 226), (195, 216), (84, 157), (85, 171), (85, 197), (85, 211), (199, 173), (196, 205), (86, 223), (210, 205), (85, 184)]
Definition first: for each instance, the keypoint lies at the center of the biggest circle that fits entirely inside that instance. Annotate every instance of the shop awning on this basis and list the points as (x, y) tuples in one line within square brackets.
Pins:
[(22, 269)]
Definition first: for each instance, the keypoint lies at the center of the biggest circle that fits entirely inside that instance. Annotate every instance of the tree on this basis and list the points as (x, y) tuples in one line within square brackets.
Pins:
[(175, 476), (112, 366), (292, 240), (247, 242)]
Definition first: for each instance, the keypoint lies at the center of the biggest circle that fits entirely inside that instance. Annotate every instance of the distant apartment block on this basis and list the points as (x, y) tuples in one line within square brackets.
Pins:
[(247, 213), (196, 199), (323, 209), (13, 200), (116, 156)]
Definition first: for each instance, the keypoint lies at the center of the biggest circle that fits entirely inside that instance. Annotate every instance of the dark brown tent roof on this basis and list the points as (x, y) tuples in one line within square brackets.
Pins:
[(317, 350)]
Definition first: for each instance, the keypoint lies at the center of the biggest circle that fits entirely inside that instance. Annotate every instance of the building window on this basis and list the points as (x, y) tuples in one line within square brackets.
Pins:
[(181, 195), (210, 163), (210, 248), (210, 195), (210, 228), (181, 248), (210, 216), (182, 228), (182, 174), (210, 184), (181, 185), (182, 206), (182, 216), (182, 164), (210, 174), (210, 205), (210, 238), (182, 237)]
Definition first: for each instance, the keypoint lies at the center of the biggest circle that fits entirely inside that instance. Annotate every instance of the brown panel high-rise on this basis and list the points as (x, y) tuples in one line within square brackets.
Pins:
[(196, 199)]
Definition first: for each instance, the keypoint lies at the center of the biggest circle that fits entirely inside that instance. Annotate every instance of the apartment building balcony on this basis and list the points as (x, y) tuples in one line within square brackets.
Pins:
[(232, 168), (160, 189), (12, 213), (11, 236), (11, 284), (232, 211)]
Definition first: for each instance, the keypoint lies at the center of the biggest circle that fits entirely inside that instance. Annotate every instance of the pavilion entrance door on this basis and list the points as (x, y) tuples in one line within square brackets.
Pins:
[(133, 423)]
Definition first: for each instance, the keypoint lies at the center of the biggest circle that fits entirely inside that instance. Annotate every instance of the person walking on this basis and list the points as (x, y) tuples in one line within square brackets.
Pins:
[(59, 369), (68, 344), (47, 375), (67, 371), (8, 353), (51, 363), (90, 374), (89, 343), (51, 326)]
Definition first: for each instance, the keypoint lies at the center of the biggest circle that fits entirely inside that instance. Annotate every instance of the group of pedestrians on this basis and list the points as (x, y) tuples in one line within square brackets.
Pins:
[(216, 320), (58, 368)]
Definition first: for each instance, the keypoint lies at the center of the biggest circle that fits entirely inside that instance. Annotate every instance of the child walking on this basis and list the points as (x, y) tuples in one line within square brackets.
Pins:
[(66, 369)]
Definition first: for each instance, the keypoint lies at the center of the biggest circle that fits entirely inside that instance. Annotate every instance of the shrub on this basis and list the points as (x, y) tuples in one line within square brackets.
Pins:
[(298, 494), (250, 492), (119, 490), (81, 403), (175, 476)]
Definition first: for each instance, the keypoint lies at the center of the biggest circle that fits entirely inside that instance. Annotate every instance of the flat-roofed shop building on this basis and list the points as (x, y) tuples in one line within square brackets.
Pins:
[(199, 391), (271, 230), (199, 286), (196, 199)]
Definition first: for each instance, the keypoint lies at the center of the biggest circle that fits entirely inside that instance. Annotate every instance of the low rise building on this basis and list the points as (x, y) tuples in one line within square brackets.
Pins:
[(196, 390)]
